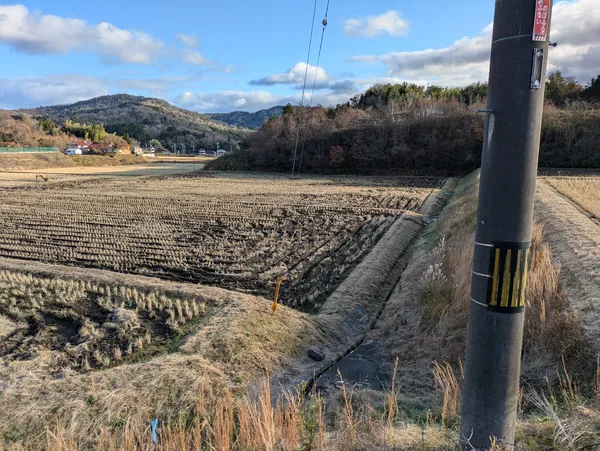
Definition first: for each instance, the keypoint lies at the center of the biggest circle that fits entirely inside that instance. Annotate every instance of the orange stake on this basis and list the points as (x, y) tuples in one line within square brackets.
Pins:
[(275, 304)]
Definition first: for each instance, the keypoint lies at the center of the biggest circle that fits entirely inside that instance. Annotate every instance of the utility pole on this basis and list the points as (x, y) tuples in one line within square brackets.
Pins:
[(504, 220)]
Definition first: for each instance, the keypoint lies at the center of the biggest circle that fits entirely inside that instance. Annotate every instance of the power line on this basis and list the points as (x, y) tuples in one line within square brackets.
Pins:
[(316, 74), (312, 27), (320, 48)]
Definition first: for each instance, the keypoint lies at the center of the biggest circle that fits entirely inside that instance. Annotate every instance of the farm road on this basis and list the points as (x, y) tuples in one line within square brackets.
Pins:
[(26, 177)]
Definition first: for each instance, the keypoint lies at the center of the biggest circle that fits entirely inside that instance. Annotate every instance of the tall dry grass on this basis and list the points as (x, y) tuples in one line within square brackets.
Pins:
[(287, 422), (549, 322), (553, 339), (446, 284), (218, 422), (451, 388)]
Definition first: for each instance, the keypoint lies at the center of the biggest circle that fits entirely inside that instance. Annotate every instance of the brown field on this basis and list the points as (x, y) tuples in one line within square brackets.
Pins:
[(584, 191), (239, 232)]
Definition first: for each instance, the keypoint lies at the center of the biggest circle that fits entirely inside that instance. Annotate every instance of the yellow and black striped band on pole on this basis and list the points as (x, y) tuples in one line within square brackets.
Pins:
[(509, 264)]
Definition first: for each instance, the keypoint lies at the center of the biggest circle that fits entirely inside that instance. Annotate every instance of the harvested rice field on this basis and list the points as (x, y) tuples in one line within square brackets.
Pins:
[(238, 232)]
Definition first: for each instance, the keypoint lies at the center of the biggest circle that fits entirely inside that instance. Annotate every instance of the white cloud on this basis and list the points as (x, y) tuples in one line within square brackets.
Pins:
[(390, 22), (34, 33), (575, 26), (294, 76), (226, 101), (195, 58), (463, 62), (576, 29), (50, 90), (191, 40)]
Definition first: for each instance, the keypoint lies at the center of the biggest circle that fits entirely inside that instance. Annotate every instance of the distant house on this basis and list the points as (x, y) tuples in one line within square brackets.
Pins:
[(80, 144), (147, 152)]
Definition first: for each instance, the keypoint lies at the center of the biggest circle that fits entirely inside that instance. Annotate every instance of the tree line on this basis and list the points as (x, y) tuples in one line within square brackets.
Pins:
[(415, 129)]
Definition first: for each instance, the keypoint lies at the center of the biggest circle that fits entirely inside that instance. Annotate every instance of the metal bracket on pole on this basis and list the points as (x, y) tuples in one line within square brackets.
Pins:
[(537, 68)]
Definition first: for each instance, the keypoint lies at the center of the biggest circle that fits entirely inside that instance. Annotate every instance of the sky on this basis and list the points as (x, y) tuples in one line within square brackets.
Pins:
[(227, 55)]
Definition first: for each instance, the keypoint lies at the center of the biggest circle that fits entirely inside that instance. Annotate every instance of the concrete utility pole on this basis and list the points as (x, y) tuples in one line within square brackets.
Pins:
[(504, 220)]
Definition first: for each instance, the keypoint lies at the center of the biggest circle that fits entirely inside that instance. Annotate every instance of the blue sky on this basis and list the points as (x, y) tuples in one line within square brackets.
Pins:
[(228, 55)]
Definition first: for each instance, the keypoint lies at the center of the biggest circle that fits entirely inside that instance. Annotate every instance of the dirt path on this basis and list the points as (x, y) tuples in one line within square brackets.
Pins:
[(28, 177), (575, 242)]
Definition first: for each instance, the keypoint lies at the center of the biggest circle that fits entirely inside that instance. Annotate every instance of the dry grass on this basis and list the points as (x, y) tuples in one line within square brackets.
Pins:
[(450, 386), (218, 420), (426, 320), (6, 326), (9, 162), (575, 424), (575, 243), (101, 161), (551, 327), (549, 322), (59, 160), (584, 191), (554, 339), (85, 376), (446, 283)]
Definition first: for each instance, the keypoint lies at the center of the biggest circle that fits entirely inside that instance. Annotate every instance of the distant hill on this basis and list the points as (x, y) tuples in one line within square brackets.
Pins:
[(145, 119), (248, 120)]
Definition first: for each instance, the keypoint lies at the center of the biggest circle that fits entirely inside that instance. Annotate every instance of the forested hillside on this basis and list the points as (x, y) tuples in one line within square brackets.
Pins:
[(412, 129), (145, 119), (19, 129)]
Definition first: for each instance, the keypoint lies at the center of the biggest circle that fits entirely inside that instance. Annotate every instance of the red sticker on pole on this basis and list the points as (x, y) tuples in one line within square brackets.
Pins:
[(542, 20)]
